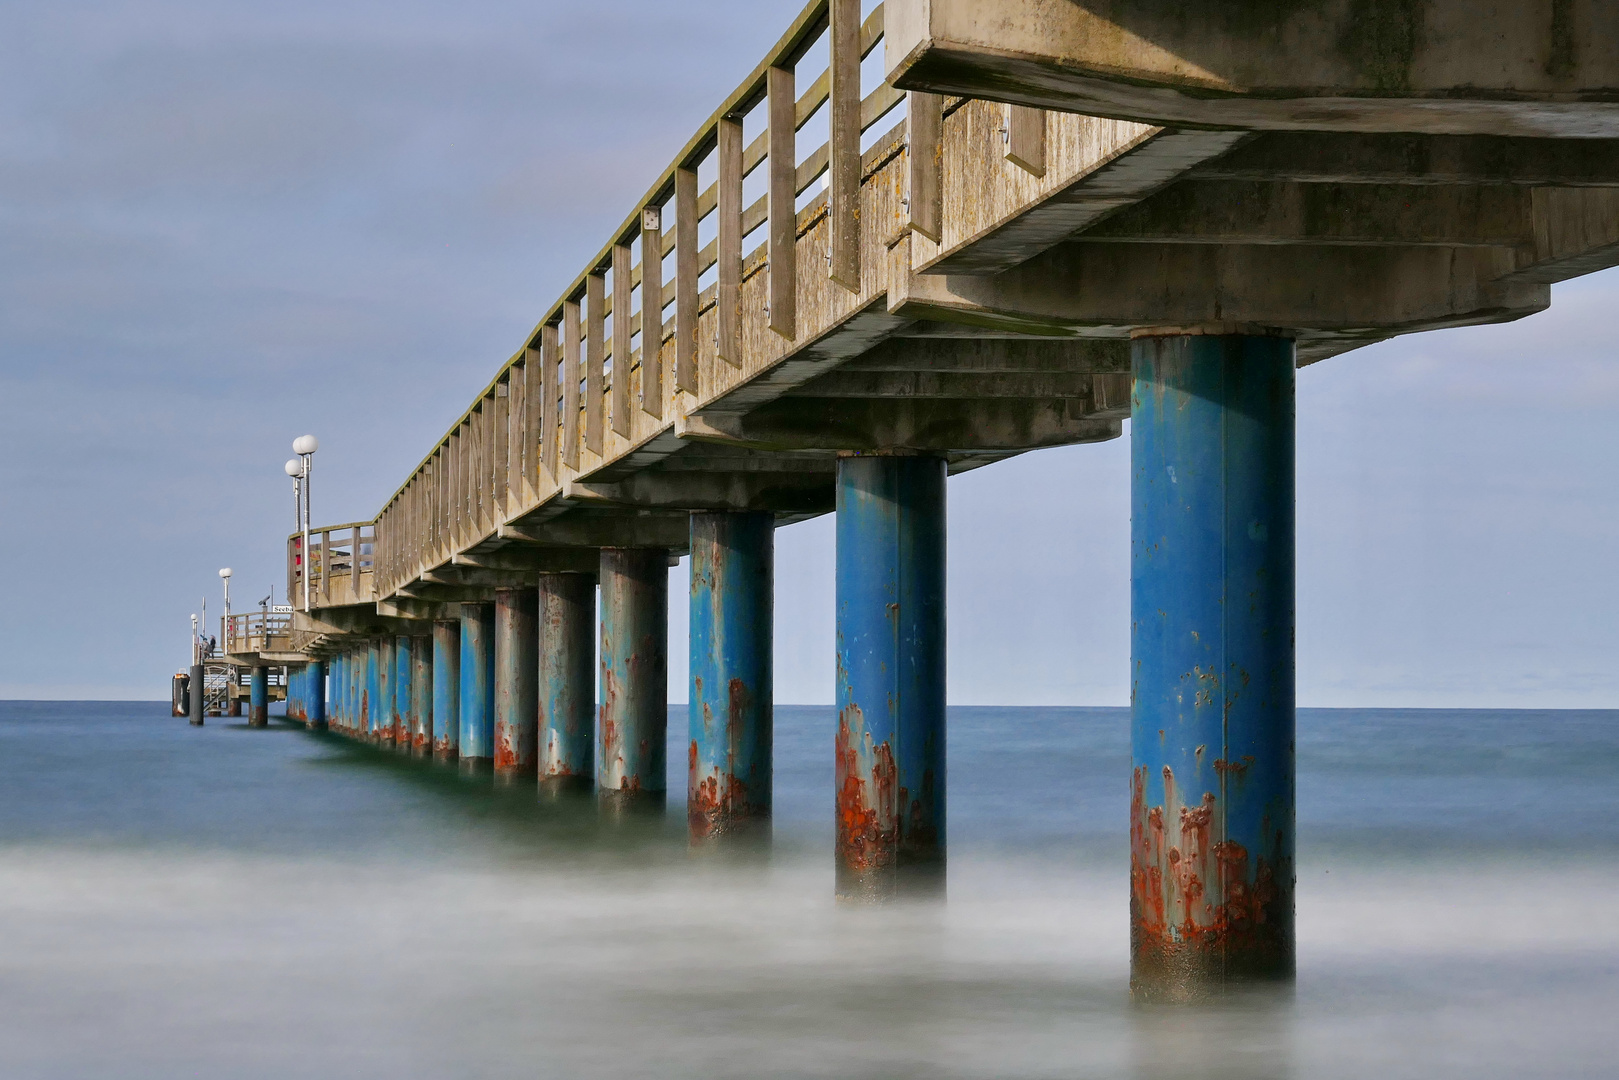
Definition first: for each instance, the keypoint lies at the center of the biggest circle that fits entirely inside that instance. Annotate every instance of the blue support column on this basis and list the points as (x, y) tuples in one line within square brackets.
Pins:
[(890, 676), (728, 782), (404, 667), (258, 706), (477, 686), (1212, 700), (447, 690), (369, 697), (315, 695), (632, 767), (342, 673), (566, 611), (344, 687), (382, 705), (421, 697), (517, 669)]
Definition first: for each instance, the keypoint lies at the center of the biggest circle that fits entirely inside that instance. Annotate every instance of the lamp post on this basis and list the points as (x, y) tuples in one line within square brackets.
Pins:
[(304, 446), (224, 576), (195, 651)]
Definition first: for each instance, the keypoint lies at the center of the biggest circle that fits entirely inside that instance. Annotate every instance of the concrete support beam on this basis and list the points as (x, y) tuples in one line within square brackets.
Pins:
[(477, 679), (447, 690), (566, 607), (1287, 212), (932, 425), (1212, 697), (932, 349), (731, 712), (648, 529), (1540, 67), (258, 710), (631, 766), (526, 559), (797, 491), (1317, 157), (517, 662), (890, 817), (1113, 289)]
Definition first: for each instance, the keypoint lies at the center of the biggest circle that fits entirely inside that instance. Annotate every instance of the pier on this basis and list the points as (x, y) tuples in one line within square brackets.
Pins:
[(1048, 218)]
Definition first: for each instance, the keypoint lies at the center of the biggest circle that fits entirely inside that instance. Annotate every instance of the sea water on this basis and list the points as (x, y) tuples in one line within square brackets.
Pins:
[(227, 902)]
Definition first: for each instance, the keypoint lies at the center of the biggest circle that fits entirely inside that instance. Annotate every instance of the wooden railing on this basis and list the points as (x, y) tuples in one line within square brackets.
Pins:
[(258, 632), (677, 320), (586, 387), (339, 565)]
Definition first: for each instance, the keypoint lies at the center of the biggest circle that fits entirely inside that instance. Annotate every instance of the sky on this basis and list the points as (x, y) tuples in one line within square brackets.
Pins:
[(223, 225)]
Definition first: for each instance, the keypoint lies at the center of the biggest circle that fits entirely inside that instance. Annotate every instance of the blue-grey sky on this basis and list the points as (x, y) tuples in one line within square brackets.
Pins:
[(224, 224)]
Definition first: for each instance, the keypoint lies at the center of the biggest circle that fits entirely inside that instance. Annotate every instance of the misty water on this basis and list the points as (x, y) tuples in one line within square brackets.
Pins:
[(228, 902)]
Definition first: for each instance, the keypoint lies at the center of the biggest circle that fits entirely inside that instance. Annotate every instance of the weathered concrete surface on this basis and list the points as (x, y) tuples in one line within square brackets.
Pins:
[(1536, 67)]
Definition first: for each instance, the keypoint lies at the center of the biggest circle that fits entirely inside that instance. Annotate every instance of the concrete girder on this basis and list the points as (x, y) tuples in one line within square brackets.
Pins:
[(1546, 68), (1576, 232), (1352, 158), (1064, 355), (1112, 289), (444, 587), (789, 492), (527, 557), (638, 529), (929, 425), (945, 385), (418, 610), (1289, 212)]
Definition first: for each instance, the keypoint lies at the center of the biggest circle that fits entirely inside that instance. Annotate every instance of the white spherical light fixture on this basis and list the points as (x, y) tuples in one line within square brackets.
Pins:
[(294, 467), (225, 573), (305, 444)]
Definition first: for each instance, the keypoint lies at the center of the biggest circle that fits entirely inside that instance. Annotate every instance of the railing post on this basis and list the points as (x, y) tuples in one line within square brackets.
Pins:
[(687, 248), (843, 145), (622, 288), (570, 384), (728, 296), (783, 158), (652, 311), (924, 146)]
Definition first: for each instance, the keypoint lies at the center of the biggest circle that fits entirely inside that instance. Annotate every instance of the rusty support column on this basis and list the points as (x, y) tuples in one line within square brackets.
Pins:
[(566, 610), (631, 768), (446, 690), (1212, 699), (382, 703), (315, 695), (890, 773), (258, 707), (728, 787), (477, 687), (421, 697), (195, 697), (404, 666), (517, 664), (368, 694)]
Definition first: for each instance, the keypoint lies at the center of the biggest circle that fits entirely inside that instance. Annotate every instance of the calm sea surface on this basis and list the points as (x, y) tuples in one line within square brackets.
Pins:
[(233, 903)]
